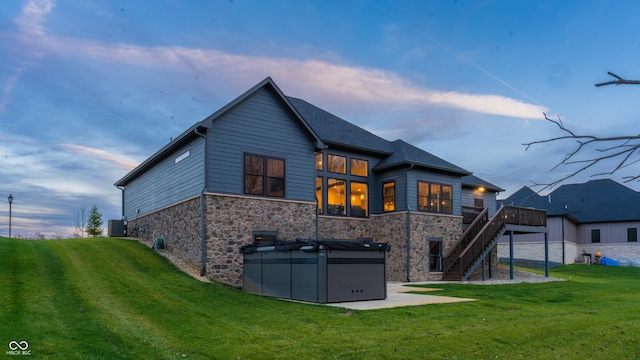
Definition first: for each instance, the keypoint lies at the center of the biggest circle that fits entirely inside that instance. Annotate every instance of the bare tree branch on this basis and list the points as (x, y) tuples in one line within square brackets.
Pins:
[(619, 81), (624, 147), (619, 151)]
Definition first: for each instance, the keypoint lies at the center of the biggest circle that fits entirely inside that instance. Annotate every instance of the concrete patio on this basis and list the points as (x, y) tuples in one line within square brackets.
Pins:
[(398, 295)]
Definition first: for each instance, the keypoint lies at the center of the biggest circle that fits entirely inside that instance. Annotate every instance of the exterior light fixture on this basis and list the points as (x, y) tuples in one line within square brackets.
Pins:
[(10, 198)]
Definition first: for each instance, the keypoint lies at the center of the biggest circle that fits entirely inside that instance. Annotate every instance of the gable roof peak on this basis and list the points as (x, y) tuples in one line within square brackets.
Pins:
[(267, 82)]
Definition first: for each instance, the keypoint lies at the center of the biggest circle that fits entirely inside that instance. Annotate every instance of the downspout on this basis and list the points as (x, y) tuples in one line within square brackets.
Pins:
[(315, 195), (122, 189), (317, 212), (406, 181), (126, 230), (203, 248)]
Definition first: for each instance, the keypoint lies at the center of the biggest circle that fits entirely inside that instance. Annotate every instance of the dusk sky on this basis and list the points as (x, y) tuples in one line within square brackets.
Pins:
[(89, 88)]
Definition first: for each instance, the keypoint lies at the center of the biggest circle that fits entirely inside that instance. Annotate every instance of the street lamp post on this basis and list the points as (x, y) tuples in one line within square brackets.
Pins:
[(10, 202)]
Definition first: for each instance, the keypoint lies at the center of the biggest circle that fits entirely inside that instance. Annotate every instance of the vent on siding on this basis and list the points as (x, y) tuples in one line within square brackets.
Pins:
[(182, 156)]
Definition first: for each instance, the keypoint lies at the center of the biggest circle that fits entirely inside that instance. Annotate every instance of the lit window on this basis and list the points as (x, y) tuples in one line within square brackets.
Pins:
[(319, 162), (336, 195), (319, 193), (359, 167), (435, 197), (337, 164), (389, 196), (358, 199), (446, 200)]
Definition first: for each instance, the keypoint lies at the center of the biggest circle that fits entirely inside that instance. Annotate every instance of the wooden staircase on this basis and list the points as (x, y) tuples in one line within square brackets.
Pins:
[(482, 235)]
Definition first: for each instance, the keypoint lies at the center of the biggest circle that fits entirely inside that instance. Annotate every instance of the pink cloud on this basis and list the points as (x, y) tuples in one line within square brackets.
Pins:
[(124, 162)]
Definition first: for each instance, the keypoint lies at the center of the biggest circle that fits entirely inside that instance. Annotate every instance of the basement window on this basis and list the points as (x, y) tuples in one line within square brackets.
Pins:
[(435, 255), (265, 238)]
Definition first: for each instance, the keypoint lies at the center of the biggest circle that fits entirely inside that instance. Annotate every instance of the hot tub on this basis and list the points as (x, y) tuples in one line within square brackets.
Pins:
[(322, 271)]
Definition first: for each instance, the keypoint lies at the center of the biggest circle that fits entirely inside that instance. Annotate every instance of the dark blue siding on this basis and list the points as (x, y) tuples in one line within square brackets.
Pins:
[(261, 125), (167, 182)]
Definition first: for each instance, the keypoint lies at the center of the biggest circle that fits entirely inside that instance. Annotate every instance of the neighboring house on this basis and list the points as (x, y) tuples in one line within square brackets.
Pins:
[(599, 215), (267, 166)]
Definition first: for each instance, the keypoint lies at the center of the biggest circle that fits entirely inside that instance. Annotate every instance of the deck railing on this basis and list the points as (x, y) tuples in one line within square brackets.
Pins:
[(483, 232), (470, 213)]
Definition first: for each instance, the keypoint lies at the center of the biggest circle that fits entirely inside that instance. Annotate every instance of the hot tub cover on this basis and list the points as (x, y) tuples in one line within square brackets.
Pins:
[(315, 245)]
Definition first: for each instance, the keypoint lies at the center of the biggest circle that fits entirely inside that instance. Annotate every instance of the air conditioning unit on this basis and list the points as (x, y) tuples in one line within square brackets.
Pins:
[(117, 228)]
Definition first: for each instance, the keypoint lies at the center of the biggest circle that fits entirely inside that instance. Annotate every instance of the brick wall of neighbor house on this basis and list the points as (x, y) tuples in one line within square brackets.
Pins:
[(572, 252), (619, 252), (231, 221), (535, 251), (177, 225)]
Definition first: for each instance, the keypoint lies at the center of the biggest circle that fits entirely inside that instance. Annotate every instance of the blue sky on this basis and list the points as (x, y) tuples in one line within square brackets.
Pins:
[(89, 89)]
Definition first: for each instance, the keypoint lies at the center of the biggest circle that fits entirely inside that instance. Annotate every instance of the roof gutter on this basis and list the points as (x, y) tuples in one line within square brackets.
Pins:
[(203, 248)]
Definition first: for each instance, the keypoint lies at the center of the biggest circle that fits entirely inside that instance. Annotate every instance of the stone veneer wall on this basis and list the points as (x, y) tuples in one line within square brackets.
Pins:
[(426, 226), (231, 221), (345, 228), (477, 274), (177, 225), (392, 228)]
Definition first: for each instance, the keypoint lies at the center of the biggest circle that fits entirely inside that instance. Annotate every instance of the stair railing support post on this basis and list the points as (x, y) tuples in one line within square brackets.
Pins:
[(511, 254), (546, 254)]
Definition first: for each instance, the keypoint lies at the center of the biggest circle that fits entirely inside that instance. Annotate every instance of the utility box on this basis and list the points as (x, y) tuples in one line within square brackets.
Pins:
[(117, 228), (322, 271)]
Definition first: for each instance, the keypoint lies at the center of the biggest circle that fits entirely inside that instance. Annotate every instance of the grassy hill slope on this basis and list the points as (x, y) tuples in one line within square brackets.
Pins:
[(116, 298)]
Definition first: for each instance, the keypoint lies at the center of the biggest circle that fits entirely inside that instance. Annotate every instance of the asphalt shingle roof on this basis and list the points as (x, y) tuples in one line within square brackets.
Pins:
[(525, 197), (474, 181), (598, 201), (405, 153), (594, 201), (334, 130)]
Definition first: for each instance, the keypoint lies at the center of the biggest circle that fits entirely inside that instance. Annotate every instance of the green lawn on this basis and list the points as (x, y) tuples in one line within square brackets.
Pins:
[(117, 299)]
